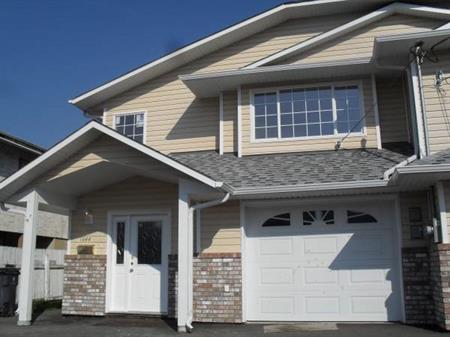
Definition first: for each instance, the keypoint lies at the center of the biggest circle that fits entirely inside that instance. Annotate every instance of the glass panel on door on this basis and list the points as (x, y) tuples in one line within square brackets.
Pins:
[(149, 242), (120, 242)]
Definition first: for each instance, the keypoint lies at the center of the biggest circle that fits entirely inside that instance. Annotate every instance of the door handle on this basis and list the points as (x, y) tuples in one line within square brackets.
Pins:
[(131, 270)]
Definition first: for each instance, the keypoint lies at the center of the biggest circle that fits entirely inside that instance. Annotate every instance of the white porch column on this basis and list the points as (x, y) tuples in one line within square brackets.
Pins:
[(27, 267), (185, 235)]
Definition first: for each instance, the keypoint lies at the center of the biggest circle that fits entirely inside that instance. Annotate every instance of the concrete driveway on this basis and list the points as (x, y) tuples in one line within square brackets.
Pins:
[(52, 324)]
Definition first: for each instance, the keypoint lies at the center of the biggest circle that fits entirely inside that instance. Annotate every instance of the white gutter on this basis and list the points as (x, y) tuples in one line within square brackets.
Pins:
[(407, 161), (192, 209), (243, 191), (439, 168)]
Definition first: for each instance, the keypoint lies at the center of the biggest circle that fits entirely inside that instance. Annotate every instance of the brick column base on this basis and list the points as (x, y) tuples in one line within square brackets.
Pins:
[(84, 285), (217, 287), (417, 287), (440, 282)]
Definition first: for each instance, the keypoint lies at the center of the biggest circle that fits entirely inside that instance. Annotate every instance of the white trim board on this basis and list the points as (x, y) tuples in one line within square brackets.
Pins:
[(63, 149), (395, 8)]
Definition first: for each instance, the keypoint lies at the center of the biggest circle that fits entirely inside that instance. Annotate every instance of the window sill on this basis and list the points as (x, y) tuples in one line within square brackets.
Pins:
[(297, 139)]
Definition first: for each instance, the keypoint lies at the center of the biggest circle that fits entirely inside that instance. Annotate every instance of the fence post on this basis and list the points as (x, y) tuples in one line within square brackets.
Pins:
[(46, 276)]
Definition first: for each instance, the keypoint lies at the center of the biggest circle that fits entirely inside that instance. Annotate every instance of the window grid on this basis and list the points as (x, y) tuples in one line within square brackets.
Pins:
[(335, 110), (131, 125)]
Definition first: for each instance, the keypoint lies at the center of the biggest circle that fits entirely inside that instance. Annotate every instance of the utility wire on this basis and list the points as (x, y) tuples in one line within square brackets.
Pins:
[(418, 52)]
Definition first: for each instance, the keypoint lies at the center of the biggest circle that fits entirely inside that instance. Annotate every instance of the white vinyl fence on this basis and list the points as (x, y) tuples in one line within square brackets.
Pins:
[(48, 270)]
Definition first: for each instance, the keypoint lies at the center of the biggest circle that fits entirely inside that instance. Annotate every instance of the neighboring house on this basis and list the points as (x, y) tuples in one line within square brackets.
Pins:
[(291, 167), (52, 230)]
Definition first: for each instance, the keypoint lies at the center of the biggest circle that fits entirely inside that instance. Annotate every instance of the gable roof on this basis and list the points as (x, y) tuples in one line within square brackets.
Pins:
[(21, 143), (395, 8), (88, 100), (78, 140)]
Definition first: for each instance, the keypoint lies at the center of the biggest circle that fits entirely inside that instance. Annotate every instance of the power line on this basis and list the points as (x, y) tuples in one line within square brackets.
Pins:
[(419, 53)]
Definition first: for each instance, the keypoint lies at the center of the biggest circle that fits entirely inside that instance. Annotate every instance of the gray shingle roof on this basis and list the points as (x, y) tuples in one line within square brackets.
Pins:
[(292, 168), (442, 157)]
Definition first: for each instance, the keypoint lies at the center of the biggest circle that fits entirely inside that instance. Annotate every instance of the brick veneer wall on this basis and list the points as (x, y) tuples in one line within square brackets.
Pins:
[(440, 282), (217, 279), (419, 306), (84, 285)]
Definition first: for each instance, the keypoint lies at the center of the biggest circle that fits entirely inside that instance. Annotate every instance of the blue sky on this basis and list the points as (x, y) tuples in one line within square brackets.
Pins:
[(52, 50)]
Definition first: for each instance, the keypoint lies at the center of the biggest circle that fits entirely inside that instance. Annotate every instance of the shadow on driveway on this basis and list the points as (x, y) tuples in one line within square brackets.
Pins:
[(52, 324)]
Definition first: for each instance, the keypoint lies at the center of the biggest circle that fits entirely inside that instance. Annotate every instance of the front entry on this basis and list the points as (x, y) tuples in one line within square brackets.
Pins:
[(138, 261)]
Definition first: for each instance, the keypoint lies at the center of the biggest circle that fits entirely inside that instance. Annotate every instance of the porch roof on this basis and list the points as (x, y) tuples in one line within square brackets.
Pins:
[(280, 172), (102, 172)]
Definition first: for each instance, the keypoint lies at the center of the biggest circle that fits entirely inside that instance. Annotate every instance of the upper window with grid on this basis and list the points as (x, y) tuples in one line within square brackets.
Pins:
[(308, 112), (131, 125)]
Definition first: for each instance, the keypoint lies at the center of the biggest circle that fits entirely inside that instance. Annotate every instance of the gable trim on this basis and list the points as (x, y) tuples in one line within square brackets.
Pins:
[(89, 100), (94, 125), (395, 8)]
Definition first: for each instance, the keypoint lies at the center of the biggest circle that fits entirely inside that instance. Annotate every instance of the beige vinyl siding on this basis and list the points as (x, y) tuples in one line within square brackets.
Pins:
[(408, 200), (135, 193), (360, 43), (250, 147), (220, 229), (103, 149), (437, 104), (176, 120), (230, 122), (392, 110)]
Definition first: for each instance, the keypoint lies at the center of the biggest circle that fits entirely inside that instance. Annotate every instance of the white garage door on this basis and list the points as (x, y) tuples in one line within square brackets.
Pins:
[(322, 263)]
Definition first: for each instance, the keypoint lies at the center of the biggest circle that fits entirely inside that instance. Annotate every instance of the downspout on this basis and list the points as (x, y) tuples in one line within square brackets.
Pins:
[(422, 102), (192, 209), (387, 174)]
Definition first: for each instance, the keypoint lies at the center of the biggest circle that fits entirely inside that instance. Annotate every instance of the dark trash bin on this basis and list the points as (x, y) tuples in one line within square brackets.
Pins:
[(9, 278)]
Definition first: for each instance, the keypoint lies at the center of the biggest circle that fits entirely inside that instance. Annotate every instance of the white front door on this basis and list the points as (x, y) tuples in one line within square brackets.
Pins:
[(139, 259), (322, 263)]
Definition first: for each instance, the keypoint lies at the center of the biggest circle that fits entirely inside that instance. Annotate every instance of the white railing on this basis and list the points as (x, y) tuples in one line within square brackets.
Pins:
[(48, 270)]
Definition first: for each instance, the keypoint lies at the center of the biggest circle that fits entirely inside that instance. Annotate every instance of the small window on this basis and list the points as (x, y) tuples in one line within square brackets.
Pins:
[(324, 217), (131, 125), (278, 221), (359, 217)]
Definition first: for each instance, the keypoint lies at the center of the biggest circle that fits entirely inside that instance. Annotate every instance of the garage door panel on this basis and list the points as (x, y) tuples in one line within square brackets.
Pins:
[(320, 276), (320, 245), (323, 272), (276, 276), (322, 305), (276, 246)]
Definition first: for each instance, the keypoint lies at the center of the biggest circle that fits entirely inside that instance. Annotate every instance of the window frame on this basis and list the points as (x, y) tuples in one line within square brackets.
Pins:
[(134, 112), (277, 89)]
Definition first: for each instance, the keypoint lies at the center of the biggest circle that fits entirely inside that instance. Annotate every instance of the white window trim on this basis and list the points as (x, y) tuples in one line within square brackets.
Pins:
[(252, 92), (134, 112)]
